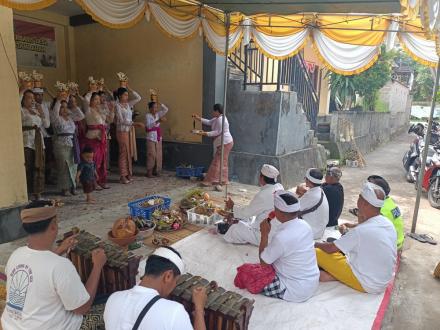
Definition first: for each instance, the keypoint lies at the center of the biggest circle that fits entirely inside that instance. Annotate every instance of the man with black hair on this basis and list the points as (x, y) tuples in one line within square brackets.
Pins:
[(44, 291), (334, 192), (144, 307), (314, 204), (291, 252), (247, 230)]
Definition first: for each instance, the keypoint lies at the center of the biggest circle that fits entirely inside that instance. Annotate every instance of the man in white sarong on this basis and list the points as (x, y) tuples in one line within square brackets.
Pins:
[(314, 204), (247, 230)]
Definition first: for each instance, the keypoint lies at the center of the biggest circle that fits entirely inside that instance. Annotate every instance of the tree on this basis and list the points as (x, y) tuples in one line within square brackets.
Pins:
[(366, 84), (369, 82)]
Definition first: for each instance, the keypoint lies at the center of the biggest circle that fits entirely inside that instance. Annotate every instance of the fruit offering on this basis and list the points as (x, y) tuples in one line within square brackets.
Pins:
[(152, 202), (123, 228), (168, 220), (194, 198)]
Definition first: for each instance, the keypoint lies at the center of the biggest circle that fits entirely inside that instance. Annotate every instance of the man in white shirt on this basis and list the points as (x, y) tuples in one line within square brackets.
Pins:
[(247, 230), (291, 252), (314, 204), (369, 250), (44, 291), (145, 307)]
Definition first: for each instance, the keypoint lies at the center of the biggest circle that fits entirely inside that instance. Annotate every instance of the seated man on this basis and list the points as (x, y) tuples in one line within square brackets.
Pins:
[(370, 248), (389, 210), (290, 252), (145, 307), (334, 192), (44, 291), (314, 204), (248, 229)]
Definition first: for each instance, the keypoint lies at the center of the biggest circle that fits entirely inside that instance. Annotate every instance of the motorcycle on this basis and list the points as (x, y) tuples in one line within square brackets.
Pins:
[(431, 179), (410, 157)]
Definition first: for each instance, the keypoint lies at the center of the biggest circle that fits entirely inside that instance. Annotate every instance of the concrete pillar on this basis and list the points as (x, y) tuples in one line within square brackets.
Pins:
[(13, 192)]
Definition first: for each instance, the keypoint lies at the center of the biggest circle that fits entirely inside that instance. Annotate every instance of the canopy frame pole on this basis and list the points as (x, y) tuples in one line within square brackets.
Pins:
[(425, 151), (225, 86)]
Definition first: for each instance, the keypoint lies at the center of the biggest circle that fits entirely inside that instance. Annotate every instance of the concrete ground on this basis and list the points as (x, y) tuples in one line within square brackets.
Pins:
[(415, 303)]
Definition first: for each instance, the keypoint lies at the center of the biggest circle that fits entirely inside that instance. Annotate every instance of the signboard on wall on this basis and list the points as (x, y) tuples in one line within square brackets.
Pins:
[(35, 44)]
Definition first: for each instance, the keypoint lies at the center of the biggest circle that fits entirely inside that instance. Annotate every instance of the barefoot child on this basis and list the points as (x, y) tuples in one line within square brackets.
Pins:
[(87, 173)]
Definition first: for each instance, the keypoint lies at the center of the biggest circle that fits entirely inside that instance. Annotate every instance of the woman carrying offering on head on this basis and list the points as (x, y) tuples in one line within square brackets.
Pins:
[(154, 135), (125, 131), (96, 137), (66, 144), (213, 175)]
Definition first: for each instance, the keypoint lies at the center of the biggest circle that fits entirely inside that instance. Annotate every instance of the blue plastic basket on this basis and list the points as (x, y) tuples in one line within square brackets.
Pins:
[(136, 210), (188, 172)]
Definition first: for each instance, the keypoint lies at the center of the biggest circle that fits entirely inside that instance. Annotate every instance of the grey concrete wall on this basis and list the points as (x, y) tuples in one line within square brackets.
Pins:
[(292, 166), (370, 129), (266, 123)]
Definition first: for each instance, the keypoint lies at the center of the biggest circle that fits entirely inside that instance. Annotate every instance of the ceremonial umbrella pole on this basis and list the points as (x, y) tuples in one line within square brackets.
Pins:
[(225, 86), (425, 151)]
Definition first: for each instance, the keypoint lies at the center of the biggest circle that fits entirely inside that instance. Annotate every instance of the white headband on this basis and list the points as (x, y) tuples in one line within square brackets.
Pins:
[(369, 194), (171, 256), (311, 178), (281, 205)]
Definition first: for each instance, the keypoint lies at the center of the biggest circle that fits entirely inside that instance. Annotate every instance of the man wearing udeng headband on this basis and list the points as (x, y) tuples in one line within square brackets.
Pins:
[(143, 306), (369, 250)]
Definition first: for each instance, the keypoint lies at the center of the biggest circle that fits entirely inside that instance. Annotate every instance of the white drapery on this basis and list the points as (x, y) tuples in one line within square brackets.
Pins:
[(344, 58), (217, 42), (280, 47), (114, 13), (177, 28), (422, 50)]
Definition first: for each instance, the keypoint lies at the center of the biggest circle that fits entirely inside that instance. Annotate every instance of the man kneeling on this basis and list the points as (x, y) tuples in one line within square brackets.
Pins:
[(290, 252), (369, 248), (142, 307)]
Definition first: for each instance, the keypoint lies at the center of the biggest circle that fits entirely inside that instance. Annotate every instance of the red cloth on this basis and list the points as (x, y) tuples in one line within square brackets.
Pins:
[(254, 277)]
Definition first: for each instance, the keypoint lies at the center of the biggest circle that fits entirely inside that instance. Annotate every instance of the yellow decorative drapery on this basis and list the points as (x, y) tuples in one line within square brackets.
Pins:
[(346, 44)]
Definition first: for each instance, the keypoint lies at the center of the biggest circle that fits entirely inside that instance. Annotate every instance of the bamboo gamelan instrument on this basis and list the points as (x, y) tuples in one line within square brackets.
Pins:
[(224, 310), (119, 273)]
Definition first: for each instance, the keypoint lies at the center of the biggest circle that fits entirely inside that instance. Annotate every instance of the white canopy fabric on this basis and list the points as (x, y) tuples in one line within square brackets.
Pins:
[(347, 44)]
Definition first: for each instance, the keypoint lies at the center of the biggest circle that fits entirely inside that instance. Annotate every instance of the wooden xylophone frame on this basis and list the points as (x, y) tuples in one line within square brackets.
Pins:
[(224, 310), (119, 273)]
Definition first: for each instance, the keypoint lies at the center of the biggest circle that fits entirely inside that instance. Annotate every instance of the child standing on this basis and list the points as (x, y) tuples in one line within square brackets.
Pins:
[(87, 173)]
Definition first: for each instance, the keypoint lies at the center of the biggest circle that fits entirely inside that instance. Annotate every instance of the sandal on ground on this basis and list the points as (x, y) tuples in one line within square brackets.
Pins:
[(218, 188), (98, 187), (73, 192), (104, 186), (124, 180), (417, 237), (429, 239), (354, 211)]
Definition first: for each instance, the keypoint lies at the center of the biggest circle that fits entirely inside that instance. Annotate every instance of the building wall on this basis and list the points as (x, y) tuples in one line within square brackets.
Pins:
[(151, 60), (12, 172), (395, 96), (65, 69)]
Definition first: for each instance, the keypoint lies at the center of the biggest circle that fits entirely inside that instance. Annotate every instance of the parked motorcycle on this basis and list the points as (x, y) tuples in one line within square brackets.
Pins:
[(431, 179), (410, 157)]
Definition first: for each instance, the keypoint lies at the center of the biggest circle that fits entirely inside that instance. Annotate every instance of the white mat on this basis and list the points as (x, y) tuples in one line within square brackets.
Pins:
[(335, 306)]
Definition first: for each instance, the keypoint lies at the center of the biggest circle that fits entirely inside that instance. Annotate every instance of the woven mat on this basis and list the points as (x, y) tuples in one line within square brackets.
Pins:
[(173, 236)]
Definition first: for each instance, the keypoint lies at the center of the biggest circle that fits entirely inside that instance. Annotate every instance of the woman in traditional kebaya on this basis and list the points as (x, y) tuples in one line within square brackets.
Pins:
[(66, 144), (96, 137), (125, 131), (213, 175), (32, 121), (154, 136)]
